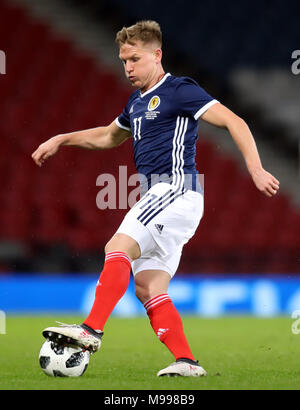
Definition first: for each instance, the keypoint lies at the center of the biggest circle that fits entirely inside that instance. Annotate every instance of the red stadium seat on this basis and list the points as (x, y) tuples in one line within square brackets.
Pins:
[(59, 90)]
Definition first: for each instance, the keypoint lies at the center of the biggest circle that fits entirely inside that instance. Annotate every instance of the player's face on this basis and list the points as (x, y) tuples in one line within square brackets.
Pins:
[(141, 63)]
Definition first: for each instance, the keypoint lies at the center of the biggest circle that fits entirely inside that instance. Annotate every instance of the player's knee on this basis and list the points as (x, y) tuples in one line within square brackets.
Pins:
[(142, 293), (146, 292), (151, 283), (123, 243)]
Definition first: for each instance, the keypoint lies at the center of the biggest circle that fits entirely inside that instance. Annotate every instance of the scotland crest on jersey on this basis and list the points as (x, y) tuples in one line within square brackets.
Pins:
[(164, 126)]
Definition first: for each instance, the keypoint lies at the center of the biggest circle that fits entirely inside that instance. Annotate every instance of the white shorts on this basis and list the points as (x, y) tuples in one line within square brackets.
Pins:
[(162, 222)]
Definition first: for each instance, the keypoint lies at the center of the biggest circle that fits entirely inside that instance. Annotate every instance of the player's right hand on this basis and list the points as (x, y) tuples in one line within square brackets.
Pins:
[(45, 151)]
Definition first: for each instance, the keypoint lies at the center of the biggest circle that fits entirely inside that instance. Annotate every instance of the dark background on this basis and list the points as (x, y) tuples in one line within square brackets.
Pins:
[(49, 221)]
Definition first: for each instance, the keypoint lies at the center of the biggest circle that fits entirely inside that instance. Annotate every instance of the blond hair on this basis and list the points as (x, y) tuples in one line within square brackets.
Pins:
[(147, 31)]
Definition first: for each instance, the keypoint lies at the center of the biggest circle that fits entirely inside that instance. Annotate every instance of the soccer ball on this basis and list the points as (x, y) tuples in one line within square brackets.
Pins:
[(63, 361)]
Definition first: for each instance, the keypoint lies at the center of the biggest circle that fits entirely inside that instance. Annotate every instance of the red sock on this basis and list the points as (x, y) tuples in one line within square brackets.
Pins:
[(167, 325), (111, 286)]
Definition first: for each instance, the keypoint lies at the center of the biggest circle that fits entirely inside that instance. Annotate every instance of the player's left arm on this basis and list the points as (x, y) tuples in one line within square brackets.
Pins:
[(222, 117)]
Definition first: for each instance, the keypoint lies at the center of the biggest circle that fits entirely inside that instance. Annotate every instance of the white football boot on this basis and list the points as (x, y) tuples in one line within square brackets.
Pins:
[(183, 367), (78, 335)]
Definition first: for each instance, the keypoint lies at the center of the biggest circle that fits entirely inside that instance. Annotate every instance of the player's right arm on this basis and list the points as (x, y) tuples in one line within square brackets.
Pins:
[(94, 138)]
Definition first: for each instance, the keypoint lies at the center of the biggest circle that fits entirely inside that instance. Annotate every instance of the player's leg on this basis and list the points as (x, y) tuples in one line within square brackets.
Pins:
[(111, 286), (151, 288), (151, 283), (124, 243), (114, 279)]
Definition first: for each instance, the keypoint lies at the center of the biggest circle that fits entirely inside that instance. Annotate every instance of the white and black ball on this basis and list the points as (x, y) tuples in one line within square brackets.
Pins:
[(63, 361)]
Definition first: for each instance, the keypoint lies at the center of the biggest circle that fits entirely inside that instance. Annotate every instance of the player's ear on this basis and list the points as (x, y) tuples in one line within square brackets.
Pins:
[(158, 55)]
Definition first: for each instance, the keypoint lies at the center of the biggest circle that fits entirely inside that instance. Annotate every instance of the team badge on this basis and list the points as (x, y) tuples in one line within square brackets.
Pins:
[(153, 103)]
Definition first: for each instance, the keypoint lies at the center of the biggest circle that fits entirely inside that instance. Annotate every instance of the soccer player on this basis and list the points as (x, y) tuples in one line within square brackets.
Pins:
[(161, 119)]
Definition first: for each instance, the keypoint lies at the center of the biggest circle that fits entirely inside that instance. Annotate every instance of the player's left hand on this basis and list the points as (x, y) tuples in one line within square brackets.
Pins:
[(265, 182)]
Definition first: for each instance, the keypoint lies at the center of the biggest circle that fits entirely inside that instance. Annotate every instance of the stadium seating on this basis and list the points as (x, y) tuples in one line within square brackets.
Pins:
[(50, 88)]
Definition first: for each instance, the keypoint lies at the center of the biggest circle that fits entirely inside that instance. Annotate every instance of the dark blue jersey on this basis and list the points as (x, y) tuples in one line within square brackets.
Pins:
[(164, 126)]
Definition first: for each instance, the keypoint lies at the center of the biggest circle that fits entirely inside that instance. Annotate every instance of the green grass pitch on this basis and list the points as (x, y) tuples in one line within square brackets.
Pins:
[(237, 353)]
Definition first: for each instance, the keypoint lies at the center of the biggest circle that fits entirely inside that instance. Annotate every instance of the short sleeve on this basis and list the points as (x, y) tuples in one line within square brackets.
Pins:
[(192, 100), (123, 120)]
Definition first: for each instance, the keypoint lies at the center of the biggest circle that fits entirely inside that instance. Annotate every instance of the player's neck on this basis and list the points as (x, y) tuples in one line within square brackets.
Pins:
[(160, 75)]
